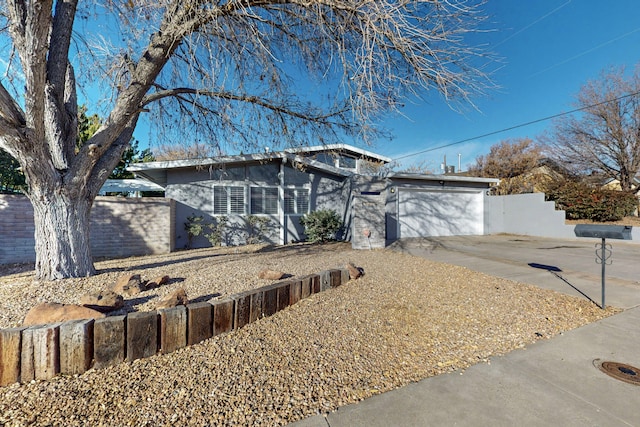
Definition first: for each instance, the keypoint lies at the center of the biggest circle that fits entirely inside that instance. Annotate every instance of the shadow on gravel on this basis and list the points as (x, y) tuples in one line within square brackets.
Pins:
[(159, 263), (305, 248)]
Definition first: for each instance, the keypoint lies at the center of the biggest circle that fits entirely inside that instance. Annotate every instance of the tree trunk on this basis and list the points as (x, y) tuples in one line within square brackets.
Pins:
[(62, 236)]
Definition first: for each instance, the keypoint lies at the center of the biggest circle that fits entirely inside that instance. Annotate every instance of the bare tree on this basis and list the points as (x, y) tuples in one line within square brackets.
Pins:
[(604, 139), (227, 71), (514, 161), (167, 151), (507, 159)]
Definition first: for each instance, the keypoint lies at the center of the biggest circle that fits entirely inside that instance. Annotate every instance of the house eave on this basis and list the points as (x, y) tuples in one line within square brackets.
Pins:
[(344, 148), (446, 178)]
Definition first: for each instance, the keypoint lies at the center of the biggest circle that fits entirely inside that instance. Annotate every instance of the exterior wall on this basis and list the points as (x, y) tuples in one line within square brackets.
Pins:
[(119, 228), (529, 215), (193, 191), (368, 222), (368, 204), (525, 214)]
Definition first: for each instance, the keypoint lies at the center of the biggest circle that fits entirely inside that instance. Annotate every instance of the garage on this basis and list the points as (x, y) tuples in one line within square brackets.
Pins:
[(424, 213)]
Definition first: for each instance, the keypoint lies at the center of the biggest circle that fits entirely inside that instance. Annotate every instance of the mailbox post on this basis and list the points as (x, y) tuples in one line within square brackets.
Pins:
[(603, 254)]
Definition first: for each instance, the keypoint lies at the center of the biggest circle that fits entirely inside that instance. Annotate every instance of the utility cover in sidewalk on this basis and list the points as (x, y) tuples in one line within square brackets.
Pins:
[(619, 371)]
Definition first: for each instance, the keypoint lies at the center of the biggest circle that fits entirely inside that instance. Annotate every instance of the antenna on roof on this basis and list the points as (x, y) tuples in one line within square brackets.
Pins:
[(266, 149)]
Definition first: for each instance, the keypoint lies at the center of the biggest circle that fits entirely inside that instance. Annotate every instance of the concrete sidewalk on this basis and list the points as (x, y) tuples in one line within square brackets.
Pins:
[(550, 383)]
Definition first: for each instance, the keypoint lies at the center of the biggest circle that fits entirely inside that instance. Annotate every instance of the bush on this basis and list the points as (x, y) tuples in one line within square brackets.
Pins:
[(581, 201), (194, 227), (257, 228), (217, 230), (212, 231), (321, 225)]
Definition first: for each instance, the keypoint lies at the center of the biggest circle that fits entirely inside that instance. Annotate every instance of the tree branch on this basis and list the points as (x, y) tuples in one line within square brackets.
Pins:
[(30, 26), (10, 111), (251, 99)]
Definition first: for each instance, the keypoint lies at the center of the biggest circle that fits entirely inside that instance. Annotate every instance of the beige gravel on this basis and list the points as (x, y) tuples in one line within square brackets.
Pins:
[(407, 319)]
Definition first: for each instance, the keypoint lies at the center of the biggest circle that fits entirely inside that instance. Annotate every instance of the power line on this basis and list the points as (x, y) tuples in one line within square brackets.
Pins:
[(519, 126), (585, 52)]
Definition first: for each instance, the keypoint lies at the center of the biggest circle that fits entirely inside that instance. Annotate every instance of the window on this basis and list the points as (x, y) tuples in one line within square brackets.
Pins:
[(346, 162), (228, 200), (264, 200), (296, 201)]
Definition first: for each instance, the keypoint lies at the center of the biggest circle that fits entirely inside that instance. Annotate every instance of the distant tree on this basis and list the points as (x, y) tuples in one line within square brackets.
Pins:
[(131, 155), (421, 167), (164, 152), (11, 178), (507, 159), (603, 139), (512, 161), (234, 69), (87, 126)]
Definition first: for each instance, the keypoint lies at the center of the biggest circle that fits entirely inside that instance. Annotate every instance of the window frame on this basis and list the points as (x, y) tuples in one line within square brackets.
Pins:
[(296, 200), (268, 207), (231, 204)]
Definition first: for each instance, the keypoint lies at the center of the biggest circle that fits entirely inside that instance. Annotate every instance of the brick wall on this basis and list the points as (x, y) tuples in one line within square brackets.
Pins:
[(120, 227), (44, 351)]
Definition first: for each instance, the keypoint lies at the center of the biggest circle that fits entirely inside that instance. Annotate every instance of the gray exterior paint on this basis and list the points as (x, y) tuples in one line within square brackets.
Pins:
[(530, 215), (192, 188), (192, 184)]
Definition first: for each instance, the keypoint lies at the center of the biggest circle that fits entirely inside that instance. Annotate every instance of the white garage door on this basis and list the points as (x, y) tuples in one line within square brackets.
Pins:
[(438, 213)]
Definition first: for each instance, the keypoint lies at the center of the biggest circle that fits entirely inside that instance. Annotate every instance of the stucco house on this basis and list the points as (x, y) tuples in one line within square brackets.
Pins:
[(283, 186)]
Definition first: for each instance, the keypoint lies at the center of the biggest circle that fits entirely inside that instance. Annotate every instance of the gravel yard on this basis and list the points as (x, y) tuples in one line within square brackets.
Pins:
[(407, 319)]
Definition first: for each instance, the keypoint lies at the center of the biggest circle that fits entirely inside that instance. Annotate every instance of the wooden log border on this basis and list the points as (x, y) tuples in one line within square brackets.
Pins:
[(43, 351)]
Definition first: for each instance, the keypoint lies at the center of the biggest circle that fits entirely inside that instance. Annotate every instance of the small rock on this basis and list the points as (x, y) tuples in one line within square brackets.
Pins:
[(354, 272), (174, 299), (158, 281), (129, 284), (103, 302), (47, 312), (270, 274)]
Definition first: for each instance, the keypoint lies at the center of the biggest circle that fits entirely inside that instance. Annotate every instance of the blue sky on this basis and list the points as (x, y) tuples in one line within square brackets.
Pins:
[(549, 49)]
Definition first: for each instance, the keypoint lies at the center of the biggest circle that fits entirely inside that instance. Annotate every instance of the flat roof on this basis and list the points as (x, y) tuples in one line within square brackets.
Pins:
[(459, 178)]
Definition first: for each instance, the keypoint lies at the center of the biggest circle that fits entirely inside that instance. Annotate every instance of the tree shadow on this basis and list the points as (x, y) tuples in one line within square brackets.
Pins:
[(144, 264)]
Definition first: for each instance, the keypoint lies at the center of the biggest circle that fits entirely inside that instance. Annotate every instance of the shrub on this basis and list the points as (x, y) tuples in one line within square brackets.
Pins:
[(581, 201), (194, 227), (217, 230), (321, 225), (258, 226), (212, 231)]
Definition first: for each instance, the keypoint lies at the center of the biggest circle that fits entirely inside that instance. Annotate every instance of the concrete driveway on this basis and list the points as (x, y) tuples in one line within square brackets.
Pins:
[(564, 265)]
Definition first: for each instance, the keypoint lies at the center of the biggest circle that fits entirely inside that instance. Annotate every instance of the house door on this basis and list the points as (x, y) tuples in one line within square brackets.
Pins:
[(424, 213)]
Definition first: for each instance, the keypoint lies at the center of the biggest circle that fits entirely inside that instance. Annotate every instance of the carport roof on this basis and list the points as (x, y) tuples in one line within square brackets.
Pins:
[(446, 178)]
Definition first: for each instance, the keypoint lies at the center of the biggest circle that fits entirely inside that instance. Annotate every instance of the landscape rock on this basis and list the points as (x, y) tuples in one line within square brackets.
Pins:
[(157, 282), (129, 284), (174, 299), (270, 274), (47, 312), (354, 272), (103, 302)]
